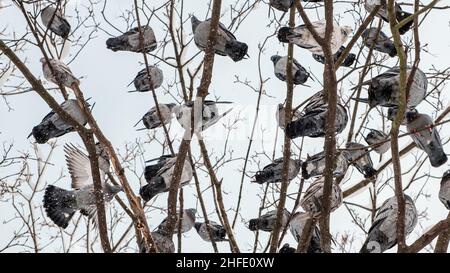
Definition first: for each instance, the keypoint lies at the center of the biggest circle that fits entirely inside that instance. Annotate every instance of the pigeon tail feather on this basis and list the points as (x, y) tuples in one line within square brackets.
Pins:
[(58, 204)]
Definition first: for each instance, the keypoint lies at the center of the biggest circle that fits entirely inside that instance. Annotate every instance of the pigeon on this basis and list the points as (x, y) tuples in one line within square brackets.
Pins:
[(299, 73), (210, 114), (151, 119), (150, 171), (141, 81), (315, 165), (217, 231), (348, 61), (427, 139), (130, 41), (372, 38), (281, 5), (273, 173), (392, 113), (60, 204), (382, 234), (378, 140), (369, 5), (384, 89), (301, 36), (53, 126), (312, 122), (226, 43), (358, 155), (161, 179), (187, 222), (267, 221), (58, 73), (286, 248), (280, 114), (296, 226), (312, 200), (164, 243), (444, 191), (55, 22)]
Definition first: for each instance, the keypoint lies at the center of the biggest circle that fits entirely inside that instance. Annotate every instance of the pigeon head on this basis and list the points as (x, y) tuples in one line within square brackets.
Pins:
[(283, 34), (113, 189), (191, 213), (412, 116), (275, 58), (287, 249), (194, 22), (446, 177), (171, 105), (197, 226), (42, 60), (346, 31)]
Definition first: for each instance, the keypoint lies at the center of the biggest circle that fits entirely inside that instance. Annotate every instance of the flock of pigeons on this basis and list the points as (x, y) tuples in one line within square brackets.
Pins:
[(383, 90)]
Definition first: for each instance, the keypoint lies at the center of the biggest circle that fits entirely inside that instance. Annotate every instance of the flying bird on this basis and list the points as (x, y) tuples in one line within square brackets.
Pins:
[(426, 137), (53, 126), (299, 73), (378, 140), (301, 36), (312, 200), (273, 173), (348, 61), (131, 41), (280, 114), (151, 118), (187, 222), (142, 83), (226, 43), (297, 226), (358, 155), (369, 5), (60, 204), (160, 180), (55, 22), (315, 165), (58, 73), (382, 234), (267, 221), (218, 232), (444, 191), (372, 38)]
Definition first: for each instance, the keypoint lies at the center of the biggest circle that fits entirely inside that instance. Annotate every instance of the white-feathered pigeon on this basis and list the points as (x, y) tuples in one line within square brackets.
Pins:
[(377, 140), (143, 84), (312, 200), (151, 119), (359, 156), (59, 73), (444, 191), (297, 226), (280, 114), (267, 221), (217, 231), (369, 5), (315, 165), (299, 73), (55, 21), (187, 222), (379, 42), (130, 41), (273, 173), (348, 61)]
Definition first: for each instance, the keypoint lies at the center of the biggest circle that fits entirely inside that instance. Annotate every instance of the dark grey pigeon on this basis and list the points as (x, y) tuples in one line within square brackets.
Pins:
[(163, 242), (379, 42), (377, 140), (286, 248), (299, 73), (281, 5), (273, 173), (130, 41), (382, 234), (384, 89), (151, 118), (218, 232), (143, 84), (444, 191), (315, 165), (312, 200), (60, 204), (297, 225), (348, 61), (369, 5), (55, 21), (267, 221), (187, 222), (427, 139), (226, 43), (358, 155), (280, 114), (53, 126), (159, 180)]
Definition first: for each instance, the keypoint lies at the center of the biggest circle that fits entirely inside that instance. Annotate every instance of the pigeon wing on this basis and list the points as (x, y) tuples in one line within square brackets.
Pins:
[(79, 167)]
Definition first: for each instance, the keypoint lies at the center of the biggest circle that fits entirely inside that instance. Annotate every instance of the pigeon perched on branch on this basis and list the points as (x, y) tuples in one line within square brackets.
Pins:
[(372, 38), (267, 221), (273, 173), (299, 73), (131, 41), (55, 21)]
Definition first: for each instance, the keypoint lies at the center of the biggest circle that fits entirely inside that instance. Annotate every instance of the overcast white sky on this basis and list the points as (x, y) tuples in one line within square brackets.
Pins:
[(105, 76)]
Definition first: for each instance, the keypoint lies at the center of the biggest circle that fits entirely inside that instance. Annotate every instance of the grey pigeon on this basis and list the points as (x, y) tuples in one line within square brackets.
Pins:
[(151, 118), (161, 179), (226, 43), (312, 200), (299, 73), (427, 139), (59, 73), (444, 191), (358, 155), (273, 173), (384, 89), (379, 42), (209, 114), (377, 140), (53, 126), (392, 113), (348, 61), (55, 21), (143, 84), (218, 232), (163, 242), (369, 5), (286, 248), (60, 204), (297, 225), (281, 5), (382, 234), (187, 222), (130, 41), (315, 165), (301, 36), (267, 221), (280, 114)]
